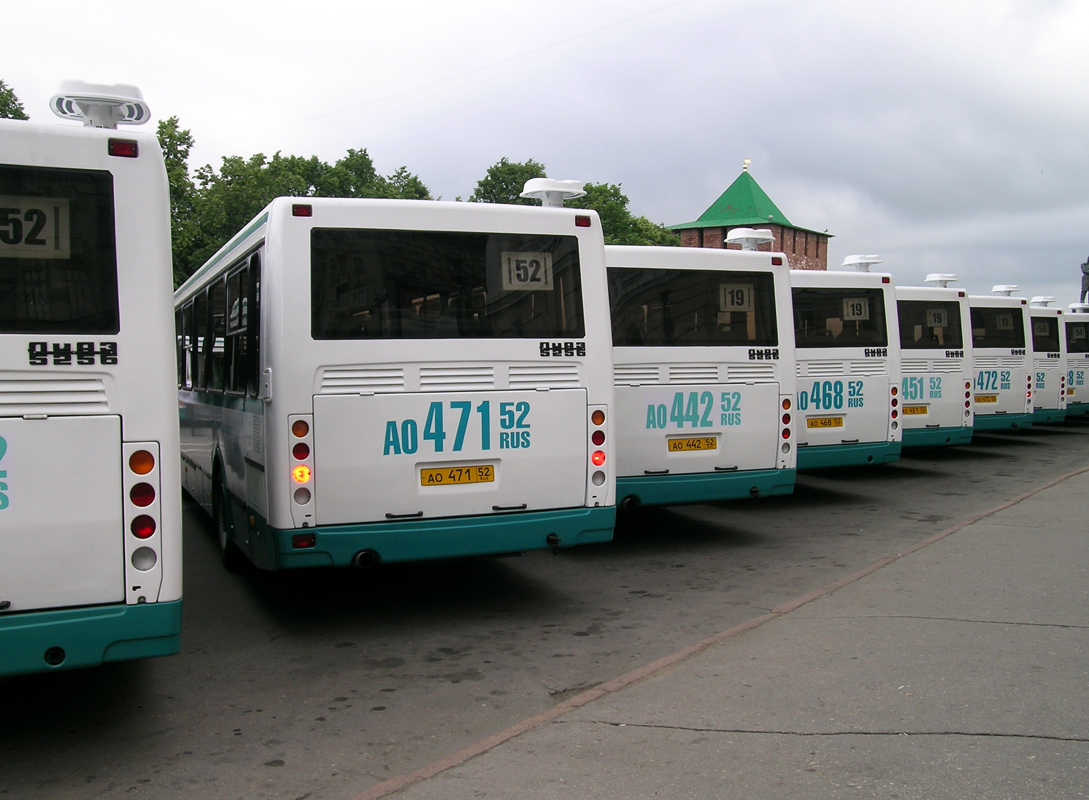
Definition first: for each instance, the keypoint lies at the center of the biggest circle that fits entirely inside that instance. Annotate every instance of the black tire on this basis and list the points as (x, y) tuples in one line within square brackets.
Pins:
[(233, 558)]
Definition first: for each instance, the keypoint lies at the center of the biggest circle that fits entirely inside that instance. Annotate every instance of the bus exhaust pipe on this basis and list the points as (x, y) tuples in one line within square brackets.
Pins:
[(365, 559)]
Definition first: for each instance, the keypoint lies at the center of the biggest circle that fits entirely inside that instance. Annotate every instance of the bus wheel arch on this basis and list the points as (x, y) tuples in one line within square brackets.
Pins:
[(223, 521)]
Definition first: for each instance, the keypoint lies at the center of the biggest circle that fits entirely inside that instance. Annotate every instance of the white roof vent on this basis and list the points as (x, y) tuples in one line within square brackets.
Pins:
[(942, 279), (749, 238), (1041, 301), (552, 193), (1006, 289), (861, 263), (100, 106), (1079, 308)]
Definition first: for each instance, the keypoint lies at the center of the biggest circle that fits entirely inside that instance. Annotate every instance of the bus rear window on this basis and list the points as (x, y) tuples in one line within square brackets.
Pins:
[(1077, 337), (998, 327), (691, 308), (929, 324), (58, 265), (1045, 334), (839, 318), (388, 284)]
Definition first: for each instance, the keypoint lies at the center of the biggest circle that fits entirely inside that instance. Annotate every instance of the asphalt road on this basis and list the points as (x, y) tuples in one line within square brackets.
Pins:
[(319, 684)]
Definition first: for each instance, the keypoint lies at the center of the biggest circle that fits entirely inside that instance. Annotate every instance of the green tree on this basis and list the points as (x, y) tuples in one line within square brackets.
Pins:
[(208, 210), (10, 107), (176, 143), (504, 182)]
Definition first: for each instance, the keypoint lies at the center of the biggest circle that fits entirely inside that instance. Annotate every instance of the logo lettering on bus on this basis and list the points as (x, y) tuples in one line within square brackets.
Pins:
[(563, 349), (63, 353), (877, 352), (767, 354)]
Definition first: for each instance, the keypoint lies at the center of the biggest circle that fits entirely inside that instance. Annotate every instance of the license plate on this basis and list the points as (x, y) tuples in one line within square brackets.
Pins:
[(914, 410), (824, 422), (1070, 391), (679, 444), (478, 473), (986, 398)]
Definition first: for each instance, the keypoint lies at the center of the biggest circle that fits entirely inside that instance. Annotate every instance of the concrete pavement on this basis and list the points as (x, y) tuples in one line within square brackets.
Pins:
[(956, 669)]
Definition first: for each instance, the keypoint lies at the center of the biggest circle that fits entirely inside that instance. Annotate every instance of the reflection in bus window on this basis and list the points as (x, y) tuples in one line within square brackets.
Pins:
[(998, 327), (839, 317), (58, 266), (1045, 334), (929, 324), (691, 308), (382, 284)]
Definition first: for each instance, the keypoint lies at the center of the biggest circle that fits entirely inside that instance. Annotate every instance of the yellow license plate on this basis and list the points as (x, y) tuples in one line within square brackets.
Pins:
[(824, 422), (914, 410), (447, 476), (986, 398), (1070, 391), (680, 444)]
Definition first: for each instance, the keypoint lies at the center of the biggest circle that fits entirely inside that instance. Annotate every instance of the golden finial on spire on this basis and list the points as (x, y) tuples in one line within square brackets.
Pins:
[(745, 164)]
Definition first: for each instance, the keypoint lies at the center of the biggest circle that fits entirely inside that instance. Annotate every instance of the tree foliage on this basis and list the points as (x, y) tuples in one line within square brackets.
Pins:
[(206, 210), (504, 181), (10, 107)]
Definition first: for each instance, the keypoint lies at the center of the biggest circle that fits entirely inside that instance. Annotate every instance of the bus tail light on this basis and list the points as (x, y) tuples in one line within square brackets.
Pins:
[(301, 472), (599, 489), (785, 403), (123, 148), (143, 519)]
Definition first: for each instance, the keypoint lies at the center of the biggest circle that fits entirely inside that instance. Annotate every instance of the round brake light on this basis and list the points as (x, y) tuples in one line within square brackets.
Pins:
[(301, 474), (143, 527), (142, 494), (598, 438), (598, 458), (301, 451), (141, 462)]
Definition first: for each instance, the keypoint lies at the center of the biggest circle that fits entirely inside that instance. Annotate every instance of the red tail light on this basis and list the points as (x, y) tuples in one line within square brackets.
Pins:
[(142, 495), (143, 527)]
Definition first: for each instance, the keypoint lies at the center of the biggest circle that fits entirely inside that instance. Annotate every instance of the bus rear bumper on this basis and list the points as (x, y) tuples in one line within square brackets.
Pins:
[(1002, 422), (458, 537), (847, 455), (704, 487), (1077, 410), (1045, 415), (936, 437), (43, 641)]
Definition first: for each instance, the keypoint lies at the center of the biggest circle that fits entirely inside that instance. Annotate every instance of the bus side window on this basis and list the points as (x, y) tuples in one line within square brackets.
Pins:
[(186, 366), (252, 314), (234, 349), (200, 339), (179, 344), (217, 309)]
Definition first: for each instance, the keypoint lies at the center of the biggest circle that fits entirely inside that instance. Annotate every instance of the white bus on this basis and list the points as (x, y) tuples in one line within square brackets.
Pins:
[(703, 365), (374, 381), (848, 366), (90, 512), (1003, 366), (1048, 361), (1077, 360), (936, 361)]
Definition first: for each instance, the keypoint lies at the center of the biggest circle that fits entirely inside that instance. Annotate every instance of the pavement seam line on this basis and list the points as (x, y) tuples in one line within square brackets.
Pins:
[(759, 732), (469, 752)]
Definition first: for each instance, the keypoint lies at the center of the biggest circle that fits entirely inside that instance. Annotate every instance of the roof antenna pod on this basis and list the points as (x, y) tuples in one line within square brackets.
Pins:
[(100, 106), (552, 193), (1041, 301), (1079, 308), (942, 279), (749, 238), (1006, 289), (861, 263)]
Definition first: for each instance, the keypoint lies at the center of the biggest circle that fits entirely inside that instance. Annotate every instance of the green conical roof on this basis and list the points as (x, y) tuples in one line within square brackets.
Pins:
[(743, 203)]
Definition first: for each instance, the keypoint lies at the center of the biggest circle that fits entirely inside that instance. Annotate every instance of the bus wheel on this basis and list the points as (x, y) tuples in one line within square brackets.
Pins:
[(232, 557)]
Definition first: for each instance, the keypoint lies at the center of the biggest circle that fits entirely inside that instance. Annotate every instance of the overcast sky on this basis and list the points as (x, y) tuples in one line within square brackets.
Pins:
[(944, 136)]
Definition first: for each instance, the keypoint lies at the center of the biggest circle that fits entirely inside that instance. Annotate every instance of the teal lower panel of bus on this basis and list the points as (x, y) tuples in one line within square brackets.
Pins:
[(1048, 415), (1077, 410), (42, 641), (421, 540), (847, 455), (1002, 422), (936, 437), (704, 487)]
